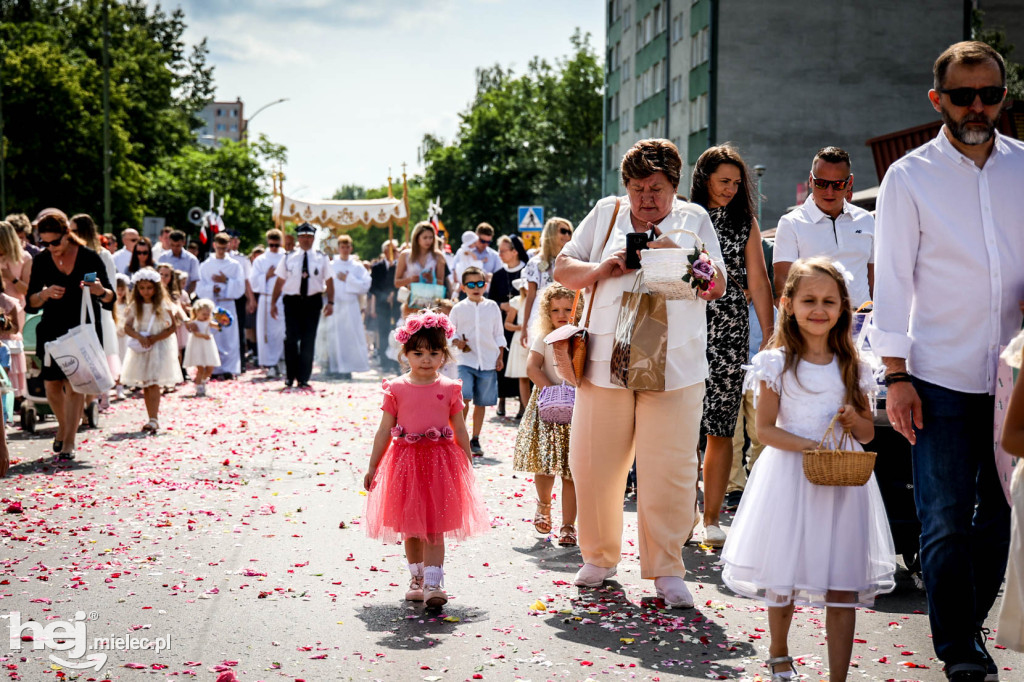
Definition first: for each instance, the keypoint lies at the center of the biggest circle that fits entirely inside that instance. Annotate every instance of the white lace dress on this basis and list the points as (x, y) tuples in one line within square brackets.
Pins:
[(793, 540), (159, 365)]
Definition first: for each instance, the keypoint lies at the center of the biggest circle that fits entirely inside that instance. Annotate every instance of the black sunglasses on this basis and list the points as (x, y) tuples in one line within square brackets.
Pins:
[(474, 285), (142, 253), (44, 243), (964, 97), (273, 245), (837, 185), (566, 231), (485, 241)]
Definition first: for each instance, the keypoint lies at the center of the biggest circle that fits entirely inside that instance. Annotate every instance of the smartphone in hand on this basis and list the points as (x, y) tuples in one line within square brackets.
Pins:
[(635, 243), (89, 277)]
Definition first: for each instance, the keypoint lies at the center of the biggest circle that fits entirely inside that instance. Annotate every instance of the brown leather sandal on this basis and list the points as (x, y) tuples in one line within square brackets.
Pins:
[(567, 536), (542, 518)]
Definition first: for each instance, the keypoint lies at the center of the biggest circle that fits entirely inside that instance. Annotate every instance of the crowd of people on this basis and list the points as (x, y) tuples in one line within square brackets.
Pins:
[(762, 350)]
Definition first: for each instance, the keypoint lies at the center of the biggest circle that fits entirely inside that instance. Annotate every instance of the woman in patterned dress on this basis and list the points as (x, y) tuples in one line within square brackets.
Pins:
[(721, 184)]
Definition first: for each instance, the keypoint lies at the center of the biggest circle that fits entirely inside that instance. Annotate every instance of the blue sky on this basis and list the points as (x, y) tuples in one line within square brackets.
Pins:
[(366, 80)]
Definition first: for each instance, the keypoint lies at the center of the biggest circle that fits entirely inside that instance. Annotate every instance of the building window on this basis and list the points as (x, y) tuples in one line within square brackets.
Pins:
[(625, 69), (613, 108), (220, 128), (627, 15), (677, 28), (647, 31), (234, 113), (220, 112), (676, 90), (699, 113), (624, 125), (700, 47), (234, 127), (614, 11)]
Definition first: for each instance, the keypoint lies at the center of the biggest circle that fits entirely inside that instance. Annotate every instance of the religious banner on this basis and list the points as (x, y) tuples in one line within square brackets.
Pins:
[(342, 215)]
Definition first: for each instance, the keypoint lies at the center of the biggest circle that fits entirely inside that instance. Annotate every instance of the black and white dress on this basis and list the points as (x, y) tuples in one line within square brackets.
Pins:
[(728, 330)]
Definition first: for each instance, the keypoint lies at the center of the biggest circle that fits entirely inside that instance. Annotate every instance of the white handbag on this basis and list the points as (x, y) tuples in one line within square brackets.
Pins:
[(135, 344), (80, 356)]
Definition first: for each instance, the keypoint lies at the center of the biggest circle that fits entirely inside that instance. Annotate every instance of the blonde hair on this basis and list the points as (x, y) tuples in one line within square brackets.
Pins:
[(840, 337), (10, 243), (550, 244), (200, 305), (542, 326)]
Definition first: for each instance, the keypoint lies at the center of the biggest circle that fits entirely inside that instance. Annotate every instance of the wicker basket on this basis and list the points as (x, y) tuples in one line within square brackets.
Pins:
[(663, 270), (555, 403), (836, 466)]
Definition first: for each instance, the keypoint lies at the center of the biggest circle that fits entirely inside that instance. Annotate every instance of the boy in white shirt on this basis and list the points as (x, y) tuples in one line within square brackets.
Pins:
[(479, 336)]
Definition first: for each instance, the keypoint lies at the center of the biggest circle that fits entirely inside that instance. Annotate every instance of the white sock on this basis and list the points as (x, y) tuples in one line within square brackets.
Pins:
[(416, 570), (433, 575)]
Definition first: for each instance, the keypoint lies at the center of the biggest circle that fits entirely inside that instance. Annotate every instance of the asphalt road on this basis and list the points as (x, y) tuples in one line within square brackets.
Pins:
[(233, 540)]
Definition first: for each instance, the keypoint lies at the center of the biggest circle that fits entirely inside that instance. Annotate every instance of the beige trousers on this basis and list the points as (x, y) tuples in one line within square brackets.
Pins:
[(738, 474), (662, 428)]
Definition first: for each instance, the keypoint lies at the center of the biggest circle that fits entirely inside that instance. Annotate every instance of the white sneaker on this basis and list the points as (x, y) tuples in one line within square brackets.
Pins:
[(592, 576), (674, 591), (714, 536), (120, 392)]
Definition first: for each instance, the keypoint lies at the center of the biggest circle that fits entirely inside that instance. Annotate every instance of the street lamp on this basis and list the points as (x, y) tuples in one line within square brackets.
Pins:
[(759, 171), (245, 124)]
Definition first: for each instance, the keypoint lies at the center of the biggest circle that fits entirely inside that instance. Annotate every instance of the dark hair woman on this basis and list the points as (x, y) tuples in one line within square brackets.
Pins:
[(513, 259), (721, 184), (57, 286), (142, 256)]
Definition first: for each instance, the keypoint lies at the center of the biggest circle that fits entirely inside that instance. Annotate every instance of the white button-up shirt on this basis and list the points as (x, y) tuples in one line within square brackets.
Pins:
[(481, 326), (319, 268), (807, 231), (950, 262)]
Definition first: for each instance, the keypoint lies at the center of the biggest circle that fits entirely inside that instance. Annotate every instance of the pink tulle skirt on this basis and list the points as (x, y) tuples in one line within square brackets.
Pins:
[(424, 489)]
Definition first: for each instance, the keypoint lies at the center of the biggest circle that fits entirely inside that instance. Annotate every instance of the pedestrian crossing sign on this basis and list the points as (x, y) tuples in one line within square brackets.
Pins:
[(531, 218)]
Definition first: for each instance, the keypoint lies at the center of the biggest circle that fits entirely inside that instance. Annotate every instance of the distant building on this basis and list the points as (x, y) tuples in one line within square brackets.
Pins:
[(778, 79), (221, 120)]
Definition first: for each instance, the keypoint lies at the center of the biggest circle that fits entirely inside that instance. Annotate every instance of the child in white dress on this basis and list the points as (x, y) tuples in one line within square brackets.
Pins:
[(201, 350), (151, 362), (792, 540), (120, 310)]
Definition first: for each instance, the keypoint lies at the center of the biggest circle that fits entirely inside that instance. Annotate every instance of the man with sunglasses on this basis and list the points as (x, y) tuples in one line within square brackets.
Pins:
[(123, 256), (269, 329), (481, 250), (949, 256), (826, 224), (180, 259)]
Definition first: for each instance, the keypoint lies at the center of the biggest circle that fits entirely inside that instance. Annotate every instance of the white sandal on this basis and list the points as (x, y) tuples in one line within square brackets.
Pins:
[(152, 426)]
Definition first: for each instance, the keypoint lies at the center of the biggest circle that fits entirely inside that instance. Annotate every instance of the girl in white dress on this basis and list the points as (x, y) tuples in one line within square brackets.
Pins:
[(120, 310), (151, 362), (517, 354), (793, 541), (201, 350)]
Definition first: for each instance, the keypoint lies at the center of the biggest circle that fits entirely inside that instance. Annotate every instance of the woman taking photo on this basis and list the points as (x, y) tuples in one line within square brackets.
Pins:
[(721, 184), (58, 283), (16, 268), (424, 258), (610, 424)]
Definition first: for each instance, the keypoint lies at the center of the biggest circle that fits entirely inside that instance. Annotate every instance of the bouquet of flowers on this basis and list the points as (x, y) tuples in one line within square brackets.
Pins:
[(223, 318), (700, 273)]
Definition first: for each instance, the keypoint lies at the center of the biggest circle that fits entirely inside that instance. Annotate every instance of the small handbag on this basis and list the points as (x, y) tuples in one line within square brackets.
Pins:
[(569, 344), (136, 345), (555, 403)]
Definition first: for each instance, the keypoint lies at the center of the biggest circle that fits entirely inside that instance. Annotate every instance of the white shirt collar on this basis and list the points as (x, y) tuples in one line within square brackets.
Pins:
[(816, 215)]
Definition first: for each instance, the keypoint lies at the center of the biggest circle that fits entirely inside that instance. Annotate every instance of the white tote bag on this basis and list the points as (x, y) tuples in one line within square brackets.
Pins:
[(80, 356)]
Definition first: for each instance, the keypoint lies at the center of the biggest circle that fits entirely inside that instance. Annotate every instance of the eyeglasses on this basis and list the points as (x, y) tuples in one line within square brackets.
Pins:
[(837, 185), (566, 231), (474, 285), (964, 97), (44, 243)]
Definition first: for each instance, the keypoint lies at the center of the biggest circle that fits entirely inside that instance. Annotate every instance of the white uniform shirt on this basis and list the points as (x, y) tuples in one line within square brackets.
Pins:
[(123, 258), (949, 255), (230, 290), (319, 270), (242, 260), (807, 231), (686, 362), (482, 326)]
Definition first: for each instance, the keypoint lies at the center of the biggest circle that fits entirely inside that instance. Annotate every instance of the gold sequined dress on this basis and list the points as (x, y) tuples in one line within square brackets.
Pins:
[(542, 448)]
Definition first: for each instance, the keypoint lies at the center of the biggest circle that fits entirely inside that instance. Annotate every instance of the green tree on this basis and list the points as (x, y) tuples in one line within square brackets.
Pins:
[(52, 68), (996, 38), (530, 139), (237, 172)]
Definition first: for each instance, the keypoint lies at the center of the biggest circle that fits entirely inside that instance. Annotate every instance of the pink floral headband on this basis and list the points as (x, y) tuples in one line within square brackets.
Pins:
[(428, 320)]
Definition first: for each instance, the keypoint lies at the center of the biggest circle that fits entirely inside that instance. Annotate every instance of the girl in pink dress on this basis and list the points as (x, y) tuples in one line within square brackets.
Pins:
[(420, 479)]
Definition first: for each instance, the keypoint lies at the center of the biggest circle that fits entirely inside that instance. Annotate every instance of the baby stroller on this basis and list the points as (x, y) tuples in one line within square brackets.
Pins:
[(35, 407)]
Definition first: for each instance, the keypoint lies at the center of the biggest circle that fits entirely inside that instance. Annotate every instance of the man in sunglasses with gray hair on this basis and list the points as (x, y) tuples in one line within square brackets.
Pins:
[(827, 224), (949, 255)]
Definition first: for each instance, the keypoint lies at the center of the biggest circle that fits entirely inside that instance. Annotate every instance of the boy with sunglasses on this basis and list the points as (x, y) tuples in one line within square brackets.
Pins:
[(827, 224), (479, 337)]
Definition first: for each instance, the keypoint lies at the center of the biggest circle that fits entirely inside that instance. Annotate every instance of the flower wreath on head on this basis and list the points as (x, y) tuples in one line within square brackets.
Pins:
[(147, 274), (427, 320)]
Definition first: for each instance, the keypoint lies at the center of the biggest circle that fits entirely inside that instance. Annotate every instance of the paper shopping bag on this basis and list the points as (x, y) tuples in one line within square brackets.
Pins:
[(641, 342)]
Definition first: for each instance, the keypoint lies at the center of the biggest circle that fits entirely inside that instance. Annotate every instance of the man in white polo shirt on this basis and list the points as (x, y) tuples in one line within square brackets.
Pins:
[(826, 224)]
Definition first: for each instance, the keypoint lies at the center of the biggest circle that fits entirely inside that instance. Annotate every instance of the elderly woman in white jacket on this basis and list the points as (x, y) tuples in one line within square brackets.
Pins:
[(611, 423)]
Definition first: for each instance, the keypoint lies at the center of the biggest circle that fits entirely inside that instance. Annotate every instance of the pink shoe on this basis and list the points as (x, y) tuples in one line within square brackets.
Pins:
[(415, 592), (434, 596)]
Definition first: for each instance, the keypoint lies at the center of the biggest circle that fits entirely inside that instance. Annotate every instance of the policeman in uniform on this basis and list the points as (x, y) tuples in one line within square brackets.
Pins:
[(303, 280)]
